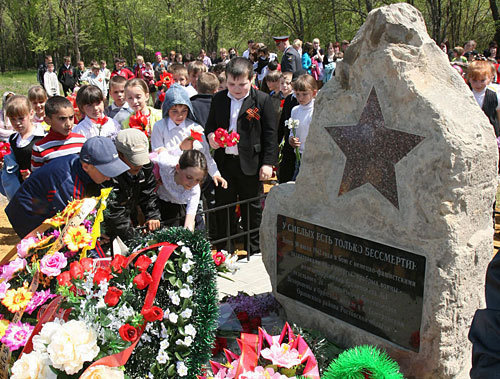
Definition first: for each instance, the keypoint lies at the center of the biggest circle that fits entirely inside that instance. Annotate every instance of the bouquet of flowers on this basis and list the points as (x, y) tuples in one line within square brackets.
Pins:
[(293, 124), (225, 139), (225, 262), (264, 356), (29, 281), (166, 79), (139, 121), (196, 136), (4, 149)]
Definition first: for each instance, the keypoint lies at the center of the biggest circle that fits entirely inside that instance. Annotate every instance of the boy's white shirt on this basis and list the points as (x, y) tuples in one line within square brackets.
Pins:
[(169, 135), (90, 129), (51, 83), (479, 96)]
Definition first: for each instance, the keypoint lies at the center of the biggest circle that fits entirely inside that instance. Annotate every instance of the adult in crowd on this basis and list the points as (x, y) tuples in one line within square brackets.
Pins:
[(291, 60), (42, 69)]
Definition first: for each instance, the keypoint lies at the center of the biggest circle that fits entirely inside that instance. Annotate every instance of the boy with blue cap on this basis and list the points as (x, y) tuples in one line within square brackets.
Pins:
[(49, 189)]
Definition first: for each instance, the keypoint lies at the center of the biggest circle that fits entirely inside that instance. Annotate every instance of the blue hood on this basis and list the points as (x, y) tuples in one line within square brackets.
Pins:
[(176, 95)]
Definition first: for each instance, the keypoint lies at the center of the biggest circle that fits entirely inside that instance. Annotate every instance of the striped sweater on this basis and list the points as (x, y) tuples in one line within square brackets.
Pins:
[(55, 145)]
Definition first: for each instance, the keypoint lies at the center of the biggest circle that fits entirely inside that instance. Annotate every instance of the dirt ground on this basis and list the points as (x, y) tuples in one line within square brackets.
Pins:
[(8, 238)]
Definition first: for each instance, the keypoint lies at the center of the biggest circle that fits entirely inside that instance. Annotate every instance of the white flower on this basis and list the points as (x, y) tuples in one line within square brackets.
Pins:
[(231, 263), (154, 258), (186, 267), (186, 313), (162, 357), (100, 371), (180, 243), (181, 369), (32, 366), (190, 279), (186, 250), (71, 345), (42, 339), (172, 317), (190, 330), (175, 299), (188, 341), (186, 292), (164, 330), (164, 344), (292, 123)]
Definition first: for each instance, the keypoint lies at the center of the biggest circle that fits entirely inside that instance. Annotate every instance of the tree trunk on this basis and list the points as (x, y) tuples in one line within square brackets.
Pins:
[(496, 18), (335, 26)]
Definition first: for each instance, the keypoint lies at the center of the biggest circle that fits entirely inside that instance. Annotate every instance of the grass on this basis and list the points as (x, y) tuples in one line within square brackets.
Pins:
[(17, 81)]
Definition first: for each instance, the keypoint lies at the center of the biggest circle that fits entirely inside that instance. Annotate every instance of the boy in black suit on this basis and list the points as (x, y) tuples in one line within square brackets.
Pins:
[(250, 113)]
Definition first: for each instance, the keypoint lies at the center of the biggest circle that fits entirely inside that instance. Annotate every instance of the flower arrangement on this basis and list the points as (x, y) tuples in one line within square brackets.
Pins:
[(166, 79), (293, 124), (225, 262), (255, 306), (149, 315), (225, 139), (264, 356), (4, 149), (196, 136), (139, 121)]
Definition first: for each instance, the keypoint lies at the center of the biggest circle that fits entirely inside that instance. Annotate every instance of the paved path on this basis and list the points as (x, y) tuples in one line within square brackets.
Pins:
[(251, 278)]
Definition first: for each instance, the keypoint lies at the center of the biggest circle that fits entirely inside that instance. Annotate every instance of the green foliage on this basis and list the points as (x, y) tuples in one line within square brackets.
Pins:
[(360, 360)]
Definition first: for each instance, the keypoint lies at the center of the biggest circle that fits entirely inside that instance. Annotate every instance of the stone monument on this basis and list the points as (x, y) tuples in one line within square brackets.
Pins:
[(385, 236)]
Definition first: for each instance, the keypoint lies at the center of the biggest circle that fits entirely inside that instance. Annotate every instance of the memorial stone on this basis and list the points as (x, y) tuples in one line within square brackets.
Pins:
[(385, 236)]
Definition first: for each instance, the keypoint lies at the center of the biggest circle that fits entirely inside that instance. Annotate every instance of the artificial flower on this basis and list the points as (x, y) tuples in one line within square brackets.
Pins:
[(128, 333), (102, 273), (4, 324), (38, 299), (77, 238), (17, 299), (103, 372), (42, 339), (14, 266), (143, 280), (112, 297), (139, 121), (4, 286), (186, 292), (166, 79), (76, 270), (32, 366), (64, 279), (153, 314), (143, 262), (219, 258), (190, 330), (24, 246), (4, 149), (181, 368), (87, 264), (162, 357), (196, 136), (16, 335), (186, 313), (281, 355), (51, 264), (118, 263), (71, 345), (262, 373)]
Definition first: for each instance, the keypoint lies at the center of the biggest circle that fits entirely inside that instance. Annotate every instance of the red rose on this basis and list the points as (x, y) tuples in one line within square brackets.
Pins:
[(102, 273), (64, 279), (218, 258), (112, 296), (87, 264), (118, 263), (242, 316), (128, 333), (143, 280), (143, 262), (153, 314), (76, 270)]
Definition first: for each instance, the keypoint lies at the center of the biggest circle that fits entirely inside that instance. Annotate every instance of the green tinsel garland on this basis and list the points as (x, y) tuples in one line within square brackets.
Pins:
[(363, 362), (205, 296)]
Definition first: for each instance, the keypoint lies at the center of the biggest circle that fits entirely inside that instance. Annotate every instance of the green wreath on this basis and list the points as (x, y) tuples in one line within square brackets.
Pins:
[(363, 362)]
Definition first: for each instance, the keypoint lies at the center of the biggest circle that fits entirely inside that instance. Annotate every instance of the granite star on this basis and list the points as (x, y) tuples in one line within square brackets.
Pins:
[(372, 150)]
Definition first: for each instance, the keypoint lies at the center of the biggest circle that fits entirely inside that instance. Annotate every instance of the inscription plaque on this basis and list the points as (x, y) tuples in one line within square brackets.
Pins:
[(372, 286)]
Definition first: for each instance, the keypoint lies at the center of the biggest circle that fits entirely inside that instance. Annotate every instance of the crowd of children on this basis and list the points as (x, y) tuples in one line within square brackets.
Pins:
[(165, 120)]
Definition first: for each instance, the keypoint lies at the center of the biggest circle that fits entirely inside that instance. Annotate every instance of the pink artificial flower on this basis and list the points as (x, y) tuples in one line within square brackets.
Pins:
[(39, 298), (16, 335), (281, 355), (4, 286), (24, 245), (262, 373), (9, 270), (51, 264)]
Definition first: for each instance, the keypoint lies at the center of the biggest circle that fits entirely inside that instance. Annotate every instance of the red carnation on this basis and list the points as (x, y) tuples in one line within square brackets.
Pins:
[(87, 264), (196, 136), (64, 279), (102, 273), (118, 263), (128, 333), (76, 270), (143, 262), (112, 296), (152, 314), (218, 258), (143, 280)]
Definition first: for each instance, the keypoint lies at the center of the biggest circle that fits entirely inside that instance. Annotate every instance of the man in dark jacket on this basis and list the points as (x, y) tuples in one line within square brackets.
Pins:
[(67, 76), (49, 189), (135, 187)]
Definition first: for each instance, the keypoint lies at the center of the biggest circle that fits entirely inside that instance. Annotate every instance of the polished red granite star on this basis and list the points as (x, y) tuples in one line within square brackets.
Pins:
[(372, 150)]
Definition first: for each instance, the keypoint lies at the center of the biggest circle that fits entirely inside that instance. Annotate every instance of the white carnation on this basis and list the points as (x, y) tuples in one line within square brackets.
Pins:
[(101, 371), (32, 366), (42, 339)]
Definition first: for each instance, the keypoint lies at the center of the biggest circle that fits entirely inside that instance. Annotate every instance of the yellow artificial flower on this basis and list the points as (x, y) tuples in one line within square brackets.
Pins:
[(96, 228), (4, 324), (17, 299), (62, 218), (77, 238)]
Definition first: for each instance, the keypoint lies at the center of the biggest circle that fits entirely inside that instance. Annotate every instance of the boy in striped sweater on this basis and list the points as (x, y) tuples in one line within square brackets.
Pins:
[(60, 141)]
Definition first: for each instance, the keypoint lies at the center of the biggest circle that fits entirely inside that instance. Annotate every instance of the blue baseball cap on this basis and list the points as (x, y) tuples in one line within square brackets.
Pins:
[(101, 153)]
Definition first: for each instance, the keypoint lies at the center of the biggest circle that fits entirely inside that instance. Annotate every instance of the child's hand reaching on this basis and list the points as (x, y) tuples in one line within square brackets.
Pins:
[(294, 142), (219, 180)]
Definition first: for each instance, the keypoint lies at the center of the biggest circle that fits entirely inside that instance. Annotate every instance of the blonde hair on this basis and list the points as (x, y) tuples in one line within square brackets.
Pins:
[(37, 94), (18, 106), (305, 82), (137, 82), (297, 44)]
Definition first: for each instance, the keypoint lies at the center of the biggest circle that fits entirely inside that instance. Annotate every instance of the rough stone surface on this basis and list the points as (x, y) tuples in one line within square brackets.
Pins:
[(445, 186)]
